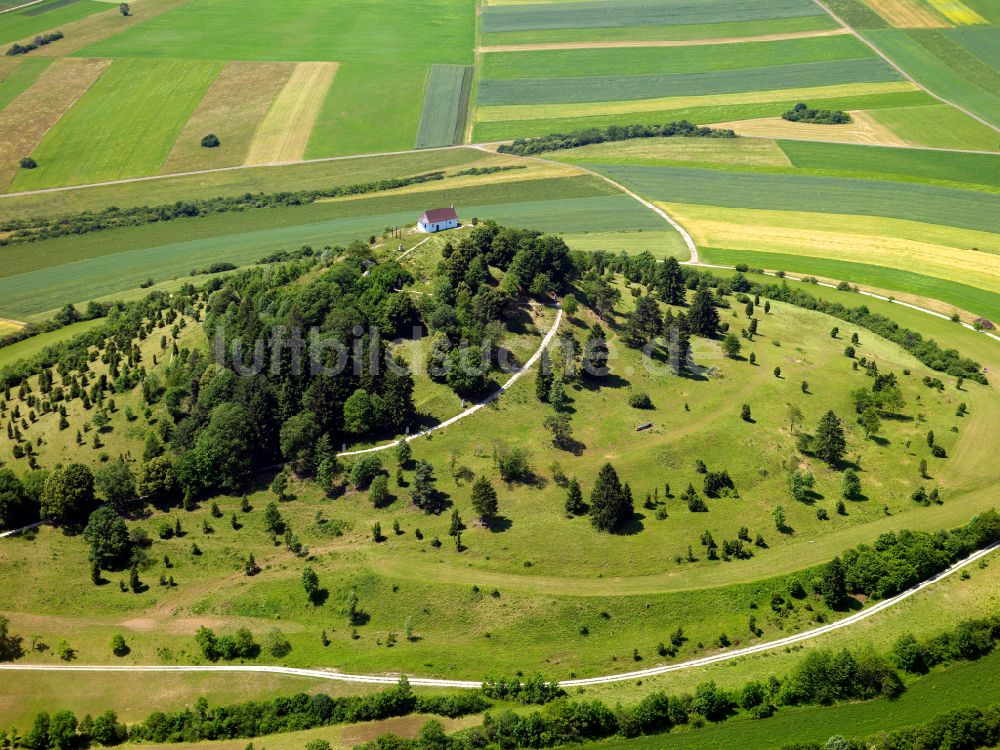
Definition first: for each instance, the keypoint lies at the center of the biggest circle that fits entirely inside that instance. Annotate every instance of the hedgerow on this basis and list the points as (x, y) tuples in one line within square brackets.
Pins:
[(557, 141)]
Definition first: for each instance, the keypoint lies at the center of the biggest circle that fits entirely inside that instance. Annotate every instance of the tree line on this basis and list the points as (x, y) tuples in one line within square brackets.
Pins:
[(42, 228), (801, 112), (39, 41), (558, 141), (823, 677)]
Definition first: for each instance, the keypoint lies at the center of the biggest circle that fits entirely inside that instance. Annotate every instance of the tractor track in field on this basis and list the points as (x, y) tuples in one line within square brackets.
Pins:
[(391, 678)]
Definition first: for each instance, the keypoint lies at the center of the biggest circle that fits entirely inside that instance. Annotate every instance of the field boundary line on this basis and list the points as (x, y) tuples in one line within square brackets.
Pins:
[(391, 678), (902, 72), (213, 170), (22, 5), (626, 43)]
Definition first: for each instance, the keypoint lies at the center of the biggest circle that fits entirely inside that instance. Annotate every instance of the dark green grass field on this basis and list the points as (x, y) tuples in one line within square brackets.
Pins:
[(611, 13), (335, 30), (975, 169), (446, 101), (961, 295), (936, 73), (628, 87), (927, 203), (957, 686), (651, 60)]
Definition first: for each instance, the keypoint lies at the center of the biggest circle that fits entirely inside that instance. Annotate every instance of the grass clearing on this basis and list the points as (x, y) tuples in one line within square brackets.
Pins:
[(284, 133), (318, 30), (931, 204), (446, 104), (45, 16), (554, 111), (863, 128), (125, 126), (627, 87), (27, 119), (233, 109), (938, 126), (21, 78), (370, 108)]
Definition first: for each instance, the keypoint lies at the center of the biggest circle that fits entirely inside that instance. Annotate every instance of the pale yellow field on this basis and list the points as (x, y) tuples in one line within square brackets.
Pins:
[(9, 326), (863, 129), (285, 130), (908, 14), (27, 119), (957, 12), (653, 151), (506, 112), (849, 238), (233, 109)]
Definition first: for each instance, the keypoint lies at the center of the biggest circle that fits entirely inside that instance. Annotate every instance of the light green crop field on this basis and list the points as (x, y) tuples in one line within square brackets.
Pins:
[(543, 119), (896, 163), (20, 78), (370, 108), (124, 126), (664, 32), (927, 203), (935, 73), (939, 126), (627, 87), (45, 16), (961, 296), (338, 31), (654, 60)]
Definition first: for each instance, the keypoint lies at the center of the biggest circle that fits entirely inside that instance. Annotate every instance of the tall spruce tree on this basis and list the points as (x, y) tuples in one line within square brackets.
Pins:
[(484, 500), (610, 502), (543, 377), (595, 353), (830, 443), (670, 282), (703, 316)]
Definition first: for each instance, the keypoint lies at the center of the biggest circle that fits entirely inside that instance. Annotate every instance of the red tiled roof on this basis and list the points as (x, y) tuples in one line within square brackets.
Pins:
[(435, 215)]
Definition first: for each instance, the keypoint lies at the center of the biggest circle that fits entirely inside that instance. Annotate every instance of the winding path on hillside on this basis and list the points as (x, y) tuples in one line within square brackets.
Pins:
[(388, 679)]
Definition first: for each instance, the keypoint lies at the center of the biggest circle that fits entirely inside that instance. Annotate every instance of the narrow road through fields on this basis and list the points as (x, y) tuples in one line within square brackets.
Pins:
[(388, 679)]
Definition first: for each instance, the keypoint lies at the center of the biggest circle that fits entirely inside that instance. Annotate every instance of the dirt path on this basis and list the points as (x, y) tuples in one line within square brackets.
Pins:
[(661, 43), (386, 679)]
